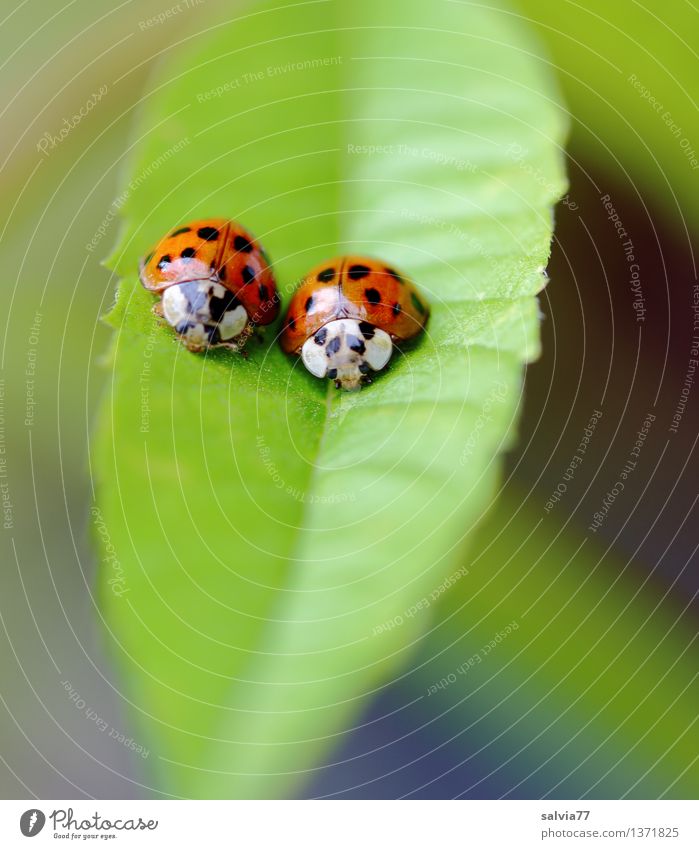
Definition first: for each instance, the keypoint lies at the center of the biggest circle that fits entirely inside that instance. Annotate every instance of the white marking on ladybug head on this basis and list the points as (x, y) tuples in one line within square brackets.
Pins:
[(346, 351), (203, 312), (233, 323), (175, 305), (314, 358)]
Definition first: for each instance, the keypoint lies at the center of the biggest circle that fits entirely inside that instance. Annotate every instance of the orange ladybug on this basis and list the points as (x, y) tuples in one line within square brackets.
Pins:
[(215, 283), (345, 316)]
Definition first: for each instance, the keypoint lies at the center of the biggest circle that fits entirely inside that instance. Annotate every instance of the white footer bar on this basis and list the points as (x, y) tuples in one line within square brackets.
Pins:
[(351, 824)]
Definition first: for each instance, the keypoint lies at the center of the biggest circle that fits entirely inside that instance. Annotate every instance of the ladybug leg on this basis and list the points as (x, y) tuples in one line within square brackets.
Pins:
[(158, 309), (191, 347)]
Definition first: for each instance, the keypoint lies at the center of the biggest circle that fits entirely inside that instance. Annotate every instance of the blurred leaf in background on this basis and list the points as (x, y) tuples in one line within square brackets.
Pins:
[(552, 670), (629, 74), (587, 692)]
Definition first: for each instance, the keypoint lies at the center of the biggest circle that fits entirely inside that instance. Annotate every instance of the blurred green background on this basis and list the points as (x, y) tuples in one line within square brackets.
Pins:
[(525, 727)]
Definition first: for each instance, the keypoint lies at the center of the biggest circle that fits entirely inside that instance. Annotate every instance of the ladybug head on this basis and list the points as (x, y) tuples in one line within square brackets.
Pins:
[(347, 351)]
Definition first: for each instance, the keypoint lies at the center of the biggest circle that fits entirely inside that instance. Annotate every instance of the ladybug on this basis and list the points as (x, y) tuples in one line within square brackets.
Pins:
[(215, 283), (345, 316)]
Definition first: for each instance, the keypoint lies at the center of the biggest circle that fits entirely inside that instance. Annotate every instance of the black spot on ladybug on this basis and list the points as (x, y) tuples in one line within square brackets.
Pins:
[(164, 260), (356, 272), (320, 336), (333, 346), (188, 253), (332, 373), (309, 304), (248, 274), (222, 273), (396, 309), (219, 306), (355, 344), (180, 232), (372, 295), (263, 292), (364, 368), (367, 329), (417, 303), (395, 275), (208, 234), (240, 243), (326, 275)]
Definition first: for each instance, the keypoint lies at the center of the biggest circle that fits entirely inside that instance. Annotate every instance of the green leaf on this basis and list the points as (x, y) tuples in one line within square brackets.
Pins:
[(266, 530), (635, 111)]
